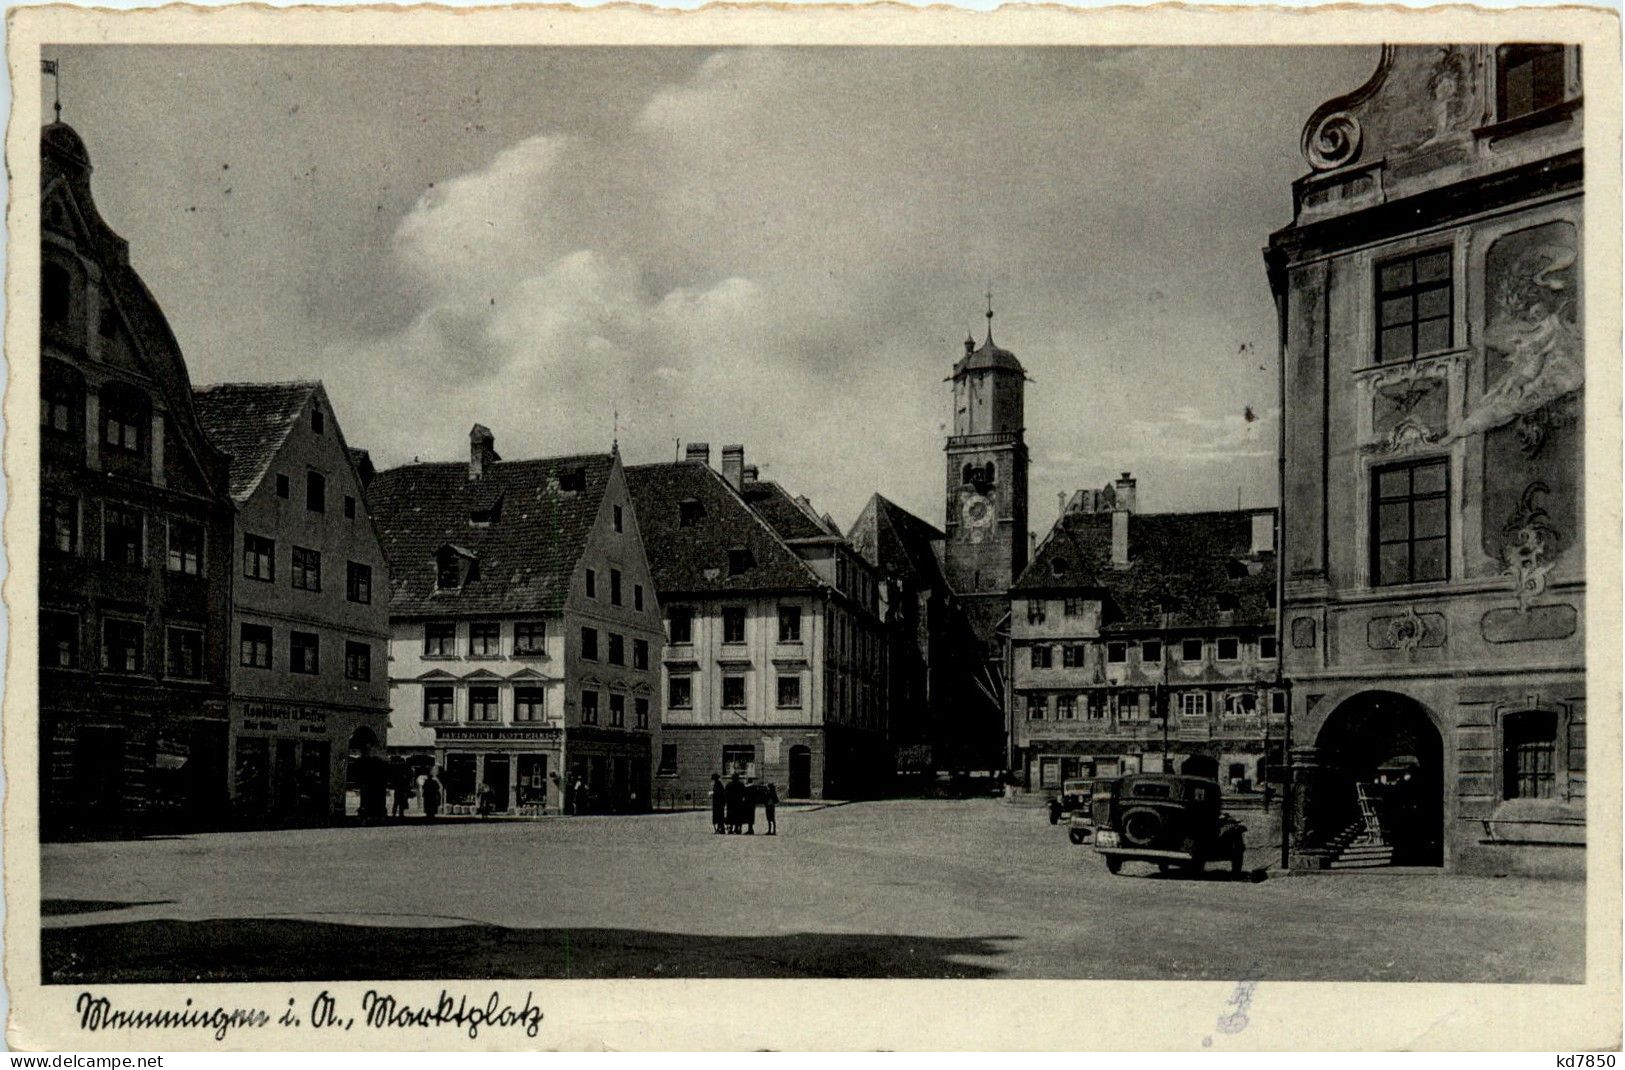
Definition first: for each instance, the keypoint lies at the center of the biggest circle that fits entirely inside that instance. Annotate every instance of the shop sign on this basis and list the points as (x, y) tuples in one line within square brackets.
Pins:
[(273, 717), (458, 733)]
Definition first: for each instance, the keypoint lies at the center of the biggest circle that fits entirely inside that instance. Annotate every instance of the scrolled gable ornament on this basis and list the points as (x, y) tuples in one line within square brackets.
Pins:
[(1333, 142)]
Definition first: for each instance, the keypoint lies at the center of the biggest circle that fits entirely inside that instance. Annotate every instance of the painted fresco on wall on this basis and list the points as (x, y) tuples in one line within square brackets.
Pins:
[(1529, 414)]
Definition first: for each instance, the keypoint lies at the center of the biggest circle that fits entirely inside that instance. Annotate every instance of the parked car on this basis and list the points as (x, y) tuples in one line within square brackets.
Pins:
[(1074, 796), (1172, 821), (1081, 830)]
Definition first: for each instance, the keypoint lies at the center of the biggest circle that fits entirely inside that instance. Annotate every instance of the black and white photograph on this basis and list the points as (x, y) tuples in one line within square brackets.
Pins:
[(764, 512)]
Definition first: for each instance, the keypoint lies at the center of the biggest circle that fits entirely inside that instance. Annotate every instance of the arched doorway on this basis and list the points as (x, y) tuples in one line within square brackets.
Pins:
[(366, 773), (800, 786), (1382, 756)]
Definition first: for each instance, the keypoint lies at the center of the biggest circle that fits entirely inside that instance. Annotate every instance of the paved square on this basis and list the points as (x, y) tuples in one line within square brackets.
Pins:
[(961, 889)]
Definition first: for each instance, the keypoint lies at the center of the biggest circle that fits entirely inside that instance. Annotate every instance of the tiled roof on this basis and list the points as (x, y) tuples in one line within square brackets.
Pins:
[(693, 559), (898, 543), (250, 421), (792, 519), (524, 558), (1180, 562)]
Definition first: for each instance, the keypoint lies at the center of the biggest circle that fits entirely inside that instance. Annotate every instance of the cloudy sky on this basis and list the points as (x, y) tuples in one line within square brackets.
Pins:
[(781, 247)]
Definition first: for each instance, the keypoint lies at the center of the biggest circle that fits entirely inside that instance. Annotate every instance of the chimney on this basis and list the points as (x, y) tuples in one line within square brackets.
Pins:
[(1120, 538), (1263, 533), (482, 450), (1060, 498), (751, 474), (1125, 492), (733, 465), (699, 451)]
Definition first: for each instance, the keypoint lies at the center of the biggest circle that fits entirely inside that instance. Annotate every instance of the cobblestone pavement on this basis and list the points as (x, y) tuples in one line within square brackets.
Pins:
[(975, 888)]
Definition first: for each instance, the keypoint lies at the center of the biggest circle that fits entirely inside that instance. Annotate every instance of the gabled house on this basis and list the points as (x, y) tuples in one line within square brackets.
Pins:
[(525, 631), (135, 537), (1140, 640), (309, 610), (775, 653)]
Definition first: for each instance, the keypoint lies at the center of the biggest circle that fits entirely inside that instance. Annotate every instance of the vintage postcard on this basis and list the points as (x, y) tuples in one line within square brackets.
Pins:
[(813, 528)]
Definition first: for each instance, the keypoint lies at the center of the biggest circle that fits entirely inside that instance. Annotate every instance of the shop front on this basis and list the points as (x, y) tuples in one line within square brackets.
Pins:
[(519, 768), (292, 763)]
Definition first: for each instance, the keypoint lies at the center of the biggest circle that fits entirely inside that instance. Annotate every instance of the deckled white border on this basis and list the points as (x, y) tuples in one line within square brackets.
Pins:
[(816, 1015)]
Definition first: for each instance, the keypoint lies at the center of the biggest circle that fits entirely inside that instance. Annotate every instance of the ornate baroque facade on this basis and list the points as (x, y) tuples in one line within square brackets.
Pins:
[(1431, 312)]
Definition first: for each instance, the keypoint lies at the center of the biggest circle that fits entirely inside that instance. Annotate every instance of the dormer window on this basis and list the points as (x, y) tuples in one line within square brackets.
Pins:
[(1227, 603), (740, 560), (454, 568), (573, 479), (1236, 570), (1529, 78), (1058, 566), (689, 512), (486, 514)]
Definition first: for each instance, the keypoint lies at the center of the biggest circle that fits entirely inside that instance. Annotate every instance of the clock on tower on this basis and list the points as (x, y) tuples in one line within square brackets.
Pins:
[(986, 514)]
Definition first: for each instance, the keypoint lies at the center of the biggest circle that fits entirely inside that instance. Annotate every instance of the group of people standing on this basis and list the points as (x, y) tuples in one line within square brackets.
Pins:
[(733, 806)]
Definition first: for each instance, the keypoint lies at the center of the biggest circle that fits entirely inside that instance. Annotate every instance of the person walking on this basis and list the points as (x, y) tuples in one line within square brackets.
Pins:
[(403, 790), (484, 796), (770, 809), (734, 804), (431, 797), (718, 805)]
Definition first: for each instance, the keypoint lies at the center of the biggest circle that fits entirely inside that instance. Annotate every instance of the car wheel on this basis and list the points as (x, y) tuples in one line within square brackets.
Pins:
[(1113, 864), (1142, 827), (1054, 816)]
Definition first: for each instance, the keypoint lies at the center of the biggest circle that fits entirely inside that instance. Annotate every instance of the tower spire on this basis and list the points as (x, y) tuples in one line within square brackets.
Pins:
[(990, 314)]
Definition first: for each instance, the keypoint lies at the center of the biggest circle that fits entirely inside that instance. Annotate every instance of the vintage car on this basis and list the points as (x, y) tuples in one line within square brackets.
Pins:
[(1081, 826), (1074, 796), (1172, 821)]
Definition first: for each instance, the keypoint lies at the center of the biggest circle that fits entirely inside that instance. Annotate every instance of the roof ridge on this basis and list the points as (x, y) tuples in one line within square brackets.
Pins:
[(303, 384)]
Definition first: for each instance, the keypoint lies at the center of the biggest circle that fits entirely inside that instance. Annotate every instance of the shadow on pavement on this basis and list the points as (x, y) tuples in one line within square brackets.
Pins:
[(257, 949), (53, 908)]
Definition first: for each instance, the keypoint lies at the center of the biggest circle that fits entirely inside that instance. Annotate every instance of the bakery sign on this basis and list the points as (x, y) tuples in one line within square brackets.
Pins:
[(274, 717)]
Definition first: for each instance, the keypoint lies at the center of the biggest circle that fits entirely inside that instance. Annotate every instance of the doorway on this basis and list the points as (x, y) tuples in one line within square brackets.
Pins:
[(98, 772), (800, 786), (1383, 765), (496, 781)]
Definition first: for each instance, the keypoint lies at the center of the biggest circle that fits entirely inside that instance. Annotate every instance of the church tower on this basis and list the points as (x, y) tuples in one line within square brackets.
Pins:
[(986, 516)]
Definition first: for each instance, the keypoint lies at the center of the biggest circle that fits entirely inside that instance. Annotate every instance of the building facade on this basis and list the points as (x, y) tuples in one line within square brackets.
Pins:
[(526, 639), (135, 537), (1139, 641), (774, 663), (1429, 290), (310, 609)]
